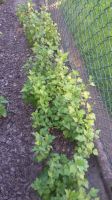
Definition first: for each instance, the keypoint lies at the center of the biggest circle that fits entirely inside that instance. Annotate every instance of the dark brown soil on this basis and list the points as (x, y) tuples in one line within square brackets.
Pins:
[(62, 145), (17, 169)]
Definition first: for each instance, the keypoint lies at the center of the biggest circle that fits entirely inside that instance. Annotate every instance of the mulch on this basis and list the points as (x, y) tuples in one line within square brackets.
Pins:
[(17, 168)]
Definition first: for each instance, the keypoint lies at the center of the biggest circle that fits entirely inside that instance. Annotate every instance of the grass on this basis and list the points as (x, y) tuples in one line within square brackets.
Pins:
[(90, 23)]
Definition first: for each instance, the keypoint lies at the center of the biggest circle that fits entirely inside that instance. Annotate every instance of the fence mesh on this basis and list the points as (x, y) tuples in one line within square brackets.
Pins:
[(90, 23), (85, 28)]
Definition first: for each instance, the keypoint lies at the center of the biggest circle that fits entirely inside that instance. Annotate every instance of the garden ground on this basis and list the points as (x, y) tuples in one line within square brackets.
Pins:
[(17, 169)]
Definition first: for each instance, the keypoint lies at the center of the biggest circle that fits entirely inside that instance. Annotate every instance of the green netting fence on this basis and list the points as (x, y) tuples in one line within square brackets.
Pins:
[(90, 26)]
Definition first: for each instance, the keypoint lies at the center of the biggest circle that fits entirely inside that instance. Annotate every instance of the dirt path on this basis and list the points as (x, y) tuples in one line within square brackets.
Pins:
[(17, 170)]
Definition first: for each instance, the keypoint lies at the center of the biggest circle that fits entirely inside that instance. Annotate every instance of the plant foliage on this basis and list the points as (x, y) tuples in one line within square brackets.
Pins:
[(60, 100), (3, 102), (1, 1)]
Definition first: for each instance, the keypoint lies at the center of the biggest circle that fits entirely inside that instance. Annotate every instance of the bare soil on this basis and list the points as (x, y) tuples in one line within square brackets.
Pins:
[(17, 168)]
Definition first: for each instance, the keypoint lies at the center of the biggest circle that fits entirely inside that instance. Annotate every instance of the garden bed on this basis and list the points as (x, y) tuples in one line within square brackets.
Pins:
[(17, 169), (61, 103)]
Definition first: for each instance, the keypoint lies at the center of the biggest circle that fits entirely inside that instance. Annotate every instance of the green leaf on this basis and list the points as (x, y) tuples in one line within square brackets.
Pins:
[(3, 112), (95, 152)]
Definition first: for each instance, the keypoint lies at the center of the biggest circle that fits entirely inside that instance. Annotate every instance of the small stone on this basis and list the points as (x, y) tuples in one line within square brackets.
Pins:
[(12, 169), (14, 84)]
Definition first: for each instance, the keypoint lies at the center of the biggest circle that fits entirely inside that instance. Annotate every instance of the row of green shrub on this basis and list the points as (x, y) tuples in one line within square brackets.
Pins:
[(61, 103), (90, 24)]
